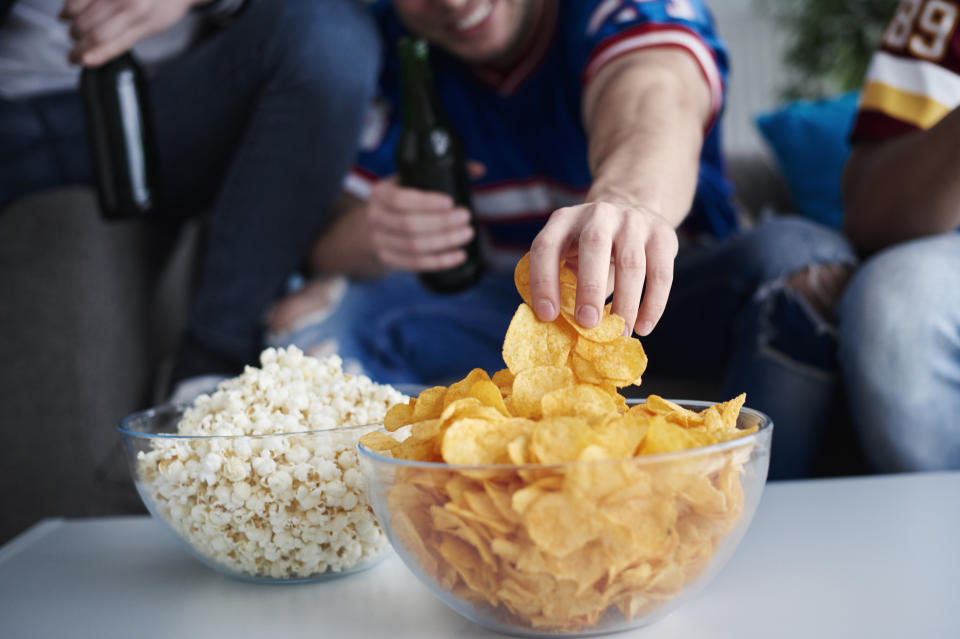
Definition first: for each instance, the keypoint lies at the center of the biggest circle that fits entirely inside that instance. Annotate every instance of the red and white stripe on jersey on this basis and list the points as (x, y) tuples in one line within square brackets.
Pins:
[(647, 36), (359, 182), (512, 200), (521, 199)]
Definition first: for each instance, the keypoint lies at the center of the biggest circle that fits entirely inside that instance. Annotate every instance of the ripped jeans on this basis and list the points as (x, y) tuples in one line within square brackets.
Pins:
[(730, 319)]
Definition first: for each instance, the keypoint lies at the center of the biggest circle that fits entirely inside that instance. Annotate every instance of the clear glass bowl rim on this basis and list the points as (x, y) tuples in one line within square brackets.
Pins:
[(766, 425), (147, 416)]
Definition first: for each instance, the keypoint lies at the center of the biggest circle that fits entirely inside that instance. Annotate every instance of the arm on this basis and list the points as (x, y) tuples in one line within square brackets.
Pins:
[(905, 187), (644, 115)]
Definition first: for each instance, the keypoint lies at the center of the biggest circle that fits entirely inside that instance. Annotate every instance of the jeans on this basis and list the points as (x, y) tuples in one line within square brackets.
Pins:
[(256, 127), (730, 318), (899, 326)]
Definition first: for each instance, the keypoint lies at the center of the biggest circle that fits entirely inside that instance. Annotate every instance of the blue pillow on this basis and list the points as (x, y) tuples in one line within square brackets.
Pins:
[(810, 142)]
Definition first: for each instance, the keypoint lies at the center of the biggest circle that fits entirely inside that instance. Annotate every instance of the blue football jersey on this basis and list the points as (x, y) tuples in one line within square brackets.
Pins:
[(526, 125)]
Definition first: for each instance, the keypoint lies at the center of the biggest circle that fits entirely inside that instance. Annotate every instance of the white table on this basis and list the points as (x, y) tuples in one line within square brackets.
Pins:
[(848, 558)]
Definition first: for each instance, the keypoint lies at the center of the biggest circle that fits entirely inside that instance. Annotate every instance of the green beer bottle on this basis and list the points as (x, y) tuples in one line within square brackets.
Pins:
[(430, 158), (120, 132)]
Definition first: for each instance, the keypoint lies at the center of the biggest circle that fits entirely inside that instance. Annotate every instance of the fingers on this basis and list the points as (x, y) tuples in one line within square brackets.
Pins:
[(417, 230), (546, 251), (103, 29), (637, 247), (661, 250), (107, 40), (388, 193), (630, 268), (87, 18), (415, 221), (73, 8), (424, 243), (593, 270)]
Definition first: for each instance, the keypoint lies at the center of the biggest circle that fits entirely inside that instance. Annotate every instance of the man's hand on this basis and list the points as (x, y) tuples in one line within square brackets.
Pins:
[(644, 114), (103, 29), (417, 230), (611, 246)]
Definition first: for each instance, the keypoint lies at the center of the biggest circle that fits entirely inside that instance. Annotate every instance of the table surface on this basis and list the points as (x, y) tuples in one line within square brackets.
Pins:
[(862, 557)]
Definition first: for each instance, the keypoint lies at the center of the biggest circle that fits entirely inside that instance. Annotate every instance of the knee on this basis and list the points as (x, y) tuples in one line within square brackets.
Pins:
[(783, 245), (330, 48), (898, 316)]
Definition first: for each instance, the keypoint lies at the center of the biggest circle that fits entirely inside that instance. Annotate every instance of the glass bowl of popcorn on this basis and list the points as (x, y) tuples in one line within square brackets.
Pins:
[(260, 480), (597, 545)]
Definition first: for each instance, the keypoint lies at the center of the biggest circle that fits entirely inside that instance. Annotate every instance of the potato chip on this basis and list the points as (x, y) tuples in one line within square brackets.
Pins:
[(429, 404), (517, 449), (521, 279), (469, 407), (399, 415), (461, 389), (621, 435), (595, 480), (531, 384), (415, 448), (489, 395), (530, 343), (673, 411), (664, 437), (504, 381), (560, 522), (609, 328), (471, 441), (427, 429), (560, 439), (581, 400), (620, 362), (379, 442)]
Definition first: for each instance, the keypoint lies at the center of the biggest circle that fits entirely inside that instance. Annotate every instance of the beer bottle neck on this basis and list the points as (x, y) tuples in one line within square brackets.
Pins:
[(420, 107)]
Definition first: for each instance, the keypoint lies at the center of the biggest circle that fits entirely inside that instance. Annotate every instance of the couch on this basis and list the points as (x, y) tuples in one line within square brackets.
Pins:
[(89, 312)]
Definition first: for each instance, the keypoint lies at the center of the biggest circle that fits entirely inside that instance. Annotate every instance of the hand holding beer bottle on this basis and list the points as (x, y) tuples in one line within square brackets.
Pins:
[(115, 97), (123, 148), (425, 217)]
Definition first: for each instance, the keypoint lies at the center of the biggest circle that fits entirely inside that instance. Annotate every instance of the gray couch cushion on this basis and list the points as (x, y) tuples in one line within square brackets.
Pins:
[(75, 354)]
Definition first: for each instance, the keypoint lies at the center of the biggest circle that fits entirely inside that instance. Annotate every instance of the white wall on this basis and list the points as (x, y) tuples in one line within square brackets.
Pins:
[(755, 46)]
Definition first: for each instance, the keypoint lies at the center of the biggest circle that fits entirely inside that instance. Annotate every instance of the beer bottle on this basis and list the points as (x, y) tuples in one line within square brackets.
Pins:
[(430, 158), (120, 132)]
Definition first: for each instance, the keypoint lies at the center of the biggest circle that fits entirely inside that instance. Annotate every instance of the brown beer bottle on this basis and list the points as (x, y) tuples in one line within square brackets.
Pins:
[(430, 158), (122, 143)]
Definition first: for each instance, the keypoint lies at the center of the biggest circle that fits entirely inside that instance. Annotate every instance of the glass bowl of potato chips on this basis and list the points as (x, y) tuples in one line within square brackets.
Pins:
[(538, 501), (575, 524)]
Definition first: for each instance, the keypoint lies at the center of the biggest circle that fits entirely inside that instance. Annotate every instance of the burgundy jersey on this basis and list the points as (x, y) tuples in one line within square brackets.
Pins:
[(914, 78)]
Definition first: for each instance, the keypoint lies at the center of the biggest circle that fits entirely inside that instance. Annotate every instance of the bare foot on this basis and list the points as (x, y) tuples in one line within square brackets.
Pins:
[(312, 303)]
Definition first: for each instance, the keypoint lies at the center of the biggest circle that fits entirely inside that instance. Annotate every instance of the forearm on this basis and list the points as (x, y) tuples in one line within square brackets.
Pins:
[(346, 248), (645, 142), (904, 188)]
